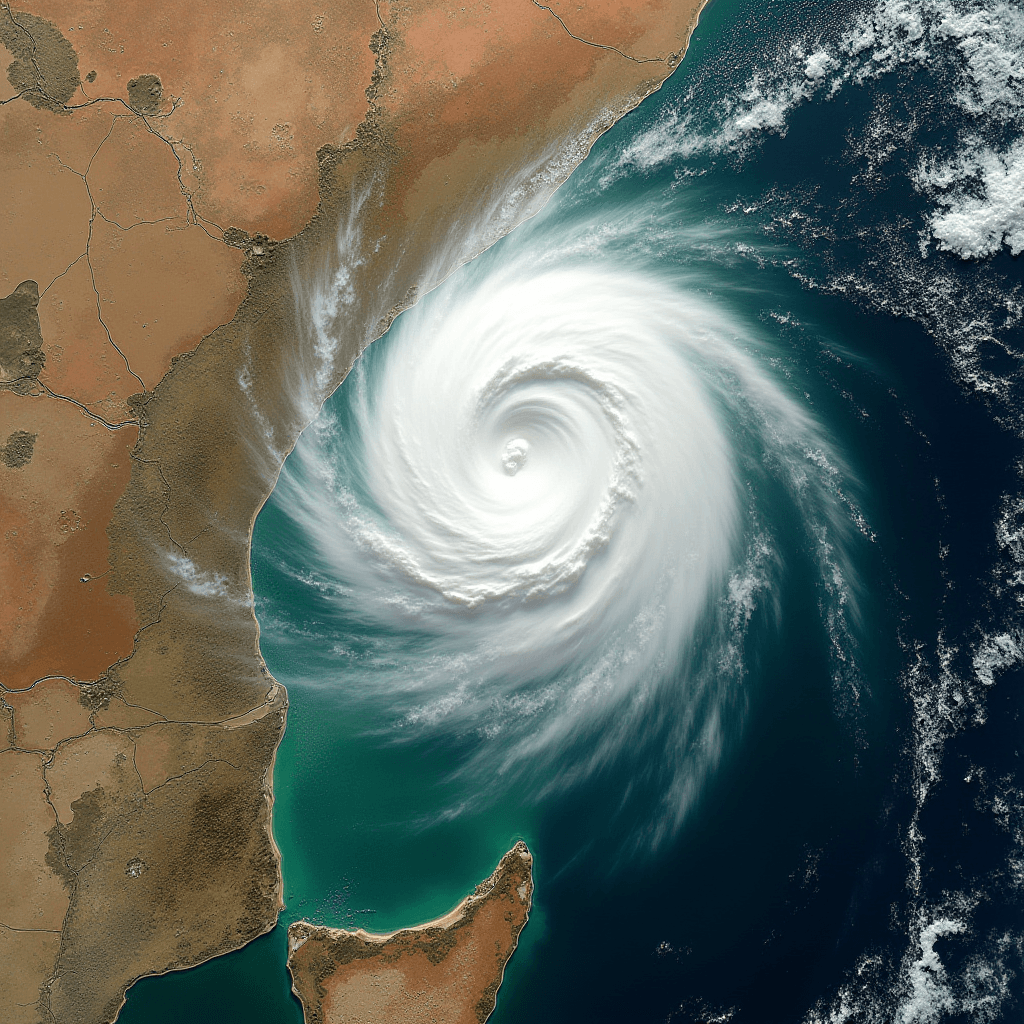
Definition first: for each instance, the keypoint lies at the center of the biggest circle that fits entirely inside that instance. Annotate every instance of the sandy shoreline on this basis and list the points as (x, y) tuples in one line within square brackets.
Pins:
[(152, 539), (448, 970)]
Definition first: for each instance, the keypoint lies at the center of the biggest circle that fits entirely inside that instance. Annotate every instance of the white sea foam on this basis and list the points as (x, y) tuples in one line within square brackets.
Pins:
[(923, 987), (920, 986), (927, 995)]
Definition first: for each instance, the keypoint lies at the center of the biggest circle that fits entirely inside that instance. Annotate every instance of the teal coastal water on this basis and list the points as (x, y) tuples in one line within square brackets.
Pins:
[(777, 784)]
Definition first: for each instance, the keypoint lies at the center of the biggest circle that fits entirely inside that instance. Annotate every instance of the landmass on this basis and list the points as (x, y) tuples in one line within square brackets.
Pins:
[(447, 971), (209, 212)]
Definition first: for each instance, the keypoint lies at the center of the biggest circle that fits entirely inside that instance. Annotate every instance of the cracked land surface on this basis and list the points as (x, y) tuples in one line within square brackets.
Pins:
[(180, 183)]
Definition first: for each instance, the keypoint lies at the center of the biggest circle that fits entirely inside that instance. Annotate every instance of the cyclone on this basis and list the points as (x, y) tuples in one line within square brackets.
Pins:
[(679, 534), (536, 514)]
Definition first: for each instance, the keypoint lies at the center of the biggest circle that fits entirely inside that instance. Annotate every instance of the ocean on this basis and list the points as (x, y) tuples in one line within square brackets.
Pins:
[(681, 534)]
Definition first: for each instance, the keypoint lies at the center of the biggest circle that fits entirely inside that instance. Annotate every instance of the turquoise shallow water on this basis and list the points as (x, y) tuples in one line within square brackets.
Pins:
[(806, 804)]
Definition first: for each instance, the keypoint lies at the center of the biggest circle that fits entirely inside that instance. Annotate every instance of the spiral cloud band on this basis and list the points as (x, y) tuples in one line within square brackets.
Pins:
[(536, 498)]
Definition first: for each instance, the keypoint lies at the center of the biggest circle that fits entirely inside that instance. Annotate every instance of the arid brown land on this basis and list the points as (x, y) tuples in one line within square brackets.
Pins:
[(208, 211), (445, 972)]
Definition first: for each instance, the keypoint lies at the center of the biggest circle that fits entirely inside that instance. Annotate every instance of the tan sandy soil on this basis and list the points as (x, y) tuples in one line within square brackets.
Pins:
[(257, 95), (49, 712), (34, 897), (54, 513), (34, 953), (7, 91), (148, 397), (80, 360), (163, 286), (171, 750), (119, 715), (133, 177), (447, 971), (44, 219), (6, 725), (100, 760)]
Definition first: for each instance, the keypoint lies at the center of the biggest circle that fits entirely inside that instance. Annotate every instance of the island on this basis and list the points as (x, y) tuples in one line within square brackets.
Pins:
[(209, 212), (446, 971)]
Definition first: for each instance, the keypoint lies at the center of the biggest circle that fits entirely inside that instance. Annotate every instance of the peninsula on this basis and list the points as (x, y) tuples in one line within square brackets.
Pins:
[(447, 971)]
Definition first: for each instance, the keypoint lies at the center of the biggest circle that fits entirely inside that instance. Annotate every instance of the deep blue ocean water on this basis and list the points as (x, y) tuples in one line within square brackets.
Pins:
[(810, 807)]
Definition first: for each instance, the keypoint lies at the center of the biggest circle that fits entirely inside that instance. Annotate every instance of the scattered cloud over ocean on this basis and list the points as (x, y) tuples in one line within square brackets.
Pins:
[(977, 188)]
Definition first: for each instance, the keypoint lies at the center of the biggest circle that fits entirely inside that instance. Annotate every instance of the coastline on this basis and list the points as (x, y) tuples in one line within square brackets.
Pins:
[(594, 135), (532, 208), (451, 967), (182, 699)]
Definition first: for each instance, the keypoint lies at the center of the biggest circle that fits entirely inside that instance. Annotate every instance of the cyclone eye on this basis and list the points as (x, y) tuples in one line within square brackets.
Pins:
[(513, 458)]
